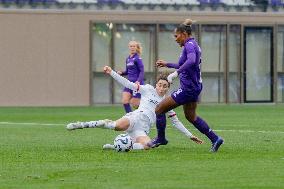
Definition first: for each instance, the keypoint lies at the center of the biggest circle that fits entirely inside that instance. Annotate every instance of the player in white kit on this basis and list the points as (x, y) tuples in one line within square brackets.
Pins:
[(137, 123)]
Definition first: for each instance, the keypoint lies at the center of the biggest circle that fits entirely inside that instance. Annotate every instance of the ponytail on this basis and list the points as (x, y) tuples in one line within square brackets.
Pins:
[(139, 48), (185, 26)]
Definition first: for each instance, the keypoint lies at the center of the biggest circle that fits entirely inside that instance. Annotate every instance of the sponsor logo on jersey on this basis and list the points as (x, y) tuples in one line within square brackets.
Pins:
[(130, 63), (153, 101)]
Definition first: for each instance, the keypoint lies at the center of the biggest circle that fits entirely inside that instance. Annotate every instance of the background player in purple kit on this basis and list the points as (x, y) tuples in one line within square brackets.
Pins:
[(135, 73), (188, 70)]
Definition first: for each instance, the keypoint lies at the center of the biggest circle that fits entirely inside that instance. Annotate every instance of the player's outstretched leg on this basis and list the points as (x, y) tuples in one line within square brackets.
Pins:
[(91, 124)]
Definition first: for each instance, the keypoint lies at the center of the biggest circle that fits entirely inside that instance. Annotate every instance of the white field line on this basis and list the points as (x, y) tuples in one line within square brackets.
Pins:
[(44, 124), (168, 127)]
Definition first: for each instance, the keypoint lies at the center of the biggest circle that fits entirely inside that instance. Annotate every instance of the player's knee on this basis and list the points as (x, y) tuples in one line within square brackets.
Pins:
[(158, 110), (119, 128), (190, 118)]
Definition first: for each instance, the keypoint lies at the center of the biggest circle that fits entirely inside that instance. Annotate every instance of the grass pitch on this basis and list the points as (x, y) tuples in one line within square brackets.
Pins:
[(38, 152)]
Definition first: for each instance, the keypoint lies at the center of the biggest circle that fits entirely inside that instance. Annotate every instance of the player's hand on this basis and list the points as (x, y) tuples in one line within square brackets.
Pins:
[(119, 72), (161, 63), (107, 69), (196, 140), (172, 76)]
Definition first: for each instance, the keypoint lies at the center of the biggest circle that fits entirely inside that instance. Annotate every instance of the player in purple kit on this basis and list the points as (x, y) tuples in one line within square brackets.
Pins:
[(188, 71), (135, 73)]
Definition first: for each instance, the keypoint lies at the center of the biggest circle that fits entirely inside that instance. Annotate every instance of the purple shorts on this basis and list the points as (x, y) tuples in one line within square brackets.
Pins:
[(181, 96), (134, 94)]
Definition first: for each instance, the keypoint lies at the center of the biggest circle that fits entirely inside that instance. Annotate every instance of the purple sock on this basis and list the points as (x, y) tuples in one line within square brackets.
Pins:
[(203, 127), (127, 108), (161, 123)]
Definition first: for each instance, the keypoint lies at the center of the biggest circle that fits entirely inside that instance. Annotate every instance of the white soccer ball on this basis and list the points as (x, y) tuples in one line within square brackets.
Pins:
[(123, 143)]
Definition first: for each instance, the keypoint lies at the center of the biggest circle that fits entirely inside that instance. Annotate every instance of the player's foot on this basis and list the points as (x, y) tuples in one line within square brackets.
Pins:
[(73, 126), (108, 147), (216, 145), (156, 142)]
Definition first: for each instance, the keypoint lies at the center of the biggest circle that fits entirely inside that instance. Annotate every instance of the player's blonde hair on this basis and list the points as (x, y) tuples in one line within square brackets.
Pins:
[(138, 46)]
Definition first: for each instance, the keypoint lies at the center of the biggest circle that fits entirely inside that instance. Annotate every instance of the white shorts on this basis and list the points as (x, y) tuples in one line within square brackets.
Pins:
[(139, 124)]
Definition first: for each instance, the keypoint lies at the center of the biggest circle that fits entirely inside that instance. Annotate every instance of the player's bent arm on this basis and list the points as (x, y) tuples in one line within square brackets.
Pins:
[(177, 124)]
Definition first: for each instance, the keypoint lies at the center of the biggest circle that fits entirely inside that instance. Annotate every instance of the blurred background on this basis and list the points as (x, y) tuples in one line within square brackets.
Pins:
[(52, 52)]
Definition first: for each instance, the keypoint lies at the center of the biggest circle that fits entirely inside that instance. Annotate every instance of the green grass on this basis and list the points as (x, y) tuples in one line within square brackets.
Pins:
[(48, 156)]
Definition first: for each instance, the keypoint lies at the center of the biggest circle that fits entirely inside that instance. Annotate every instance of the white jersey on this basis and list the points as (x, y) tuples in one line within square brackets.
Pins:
[(149, 96)]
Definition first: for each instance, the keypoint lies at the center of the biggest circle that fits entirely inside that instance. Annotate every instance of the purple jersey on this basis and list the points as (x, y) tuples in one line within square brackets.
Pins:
[(134, 69), (189, 66)]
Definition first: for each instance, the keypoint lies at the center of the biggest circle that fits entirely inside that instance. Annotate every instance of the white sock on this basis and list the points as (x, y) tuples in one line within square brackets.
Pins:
[(93, 124), (138, 146), (109, 124), (108, 146), (177, 124)]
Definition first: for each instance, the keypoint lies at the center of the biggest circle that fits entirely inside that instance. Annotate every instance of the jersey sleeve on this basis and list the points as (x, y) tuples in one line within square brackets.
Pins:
[(141, 70), (123, 81), (190, 57), (144, 88), (173, 65), (178, 124)]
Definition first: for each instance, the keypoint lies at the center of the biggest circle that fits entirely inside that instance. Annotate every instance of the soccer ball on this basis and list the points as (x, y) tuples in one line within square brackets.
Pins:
[(123, 143)]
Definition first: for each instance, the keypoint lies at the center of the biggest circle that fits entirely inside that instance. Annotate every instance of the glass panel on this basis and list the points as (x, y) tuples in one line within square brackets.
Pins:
[(101, 45), (213, 45), (258, 64), (280, 49), (280, 64), (234, 88), (145, 34), (234, 63), (142, 33), (212, 89), (118, 89), (168, 49), (280, 88), (101, 89), (149, 79)]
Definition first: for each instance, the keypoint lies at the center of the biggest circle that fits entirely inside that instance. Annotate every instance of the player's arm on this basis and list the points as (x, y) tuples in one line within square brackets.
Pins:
[(177, 124), (162, 63), (190, 56), (141, 70), (123, 81)]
